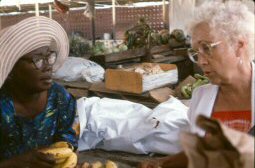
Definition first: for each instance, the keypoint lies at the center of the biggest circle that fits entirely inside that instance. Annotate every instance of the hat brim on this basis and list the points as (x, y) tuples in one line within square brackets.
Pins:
[(28, 35)]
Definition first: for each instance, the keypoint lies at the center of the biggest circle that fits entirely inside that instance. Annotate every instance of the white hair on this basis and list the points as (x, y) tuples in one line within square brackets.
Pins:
[(231, 19)]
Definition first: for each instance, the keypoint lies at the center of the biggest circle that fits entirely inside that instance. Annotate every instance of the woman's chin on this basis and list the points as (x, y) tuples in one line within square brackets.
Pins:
[(45, 85)]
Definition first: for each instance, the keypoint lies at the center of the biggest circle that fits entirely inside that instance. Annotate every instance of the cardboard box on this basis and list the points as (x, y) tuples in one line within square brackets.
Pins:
[(134, 82)]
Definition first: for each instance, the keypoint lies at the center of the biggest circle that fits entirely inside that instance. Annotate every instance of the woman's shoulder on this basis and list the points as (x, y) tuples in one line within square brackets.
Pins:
[(205, 89), (3, 94)]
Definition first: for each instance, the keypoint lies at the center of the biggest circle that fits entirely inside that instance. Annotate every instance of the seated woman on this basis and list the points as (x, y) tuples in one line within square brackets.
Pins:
[(35, 112), (223, 46)]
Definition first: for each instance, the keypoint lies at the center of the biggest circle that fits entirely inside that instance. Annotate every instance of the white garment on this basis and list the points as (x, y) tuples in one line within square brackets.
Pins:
[(202, 103)]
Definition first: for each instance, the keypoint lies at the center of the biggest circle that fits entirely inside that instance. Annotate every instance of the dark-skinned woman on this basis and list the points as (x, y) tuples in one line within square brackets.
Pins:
[(35, 112)]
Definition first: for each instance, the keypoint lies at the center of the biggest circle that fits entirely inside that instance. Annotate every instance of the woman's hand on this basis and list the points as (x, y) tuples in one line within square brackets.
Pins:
[(155, 163), (29, 160)]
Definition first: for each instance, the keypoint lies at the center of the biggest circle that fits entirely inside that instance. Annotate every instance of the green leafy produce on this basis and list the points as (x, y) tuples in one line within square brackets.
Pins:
[(142, 34), (79, 46), (188, 89), (137, 36), (177, 39), (99, 48), (164, 36)]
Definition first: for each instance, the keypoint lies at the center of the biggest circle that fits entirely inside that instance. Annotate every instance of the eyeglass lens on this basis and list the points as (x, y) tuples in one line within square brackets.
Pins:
[(204, 49), (51, 59)]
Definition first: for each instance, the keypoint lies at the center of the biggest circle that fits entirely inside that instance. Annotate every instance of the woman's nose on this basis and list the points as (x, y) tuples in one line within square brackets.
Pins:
[(46, 66), (202, 60)]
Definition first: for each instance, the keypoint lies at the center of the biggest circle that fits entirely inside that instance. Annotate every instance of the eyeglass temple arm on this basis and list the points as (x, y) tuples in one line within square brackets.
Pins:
[(215, 44)]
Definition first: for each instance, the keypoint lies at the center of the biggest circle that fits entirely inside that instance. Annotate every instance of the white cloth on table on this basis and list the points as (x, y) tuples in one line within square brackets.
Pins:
[(121, 125)]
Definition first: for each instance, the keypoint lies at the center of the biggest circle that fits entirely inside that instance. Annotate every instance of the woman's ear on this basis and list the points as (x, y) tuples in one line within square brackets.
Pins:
[(241, 47)]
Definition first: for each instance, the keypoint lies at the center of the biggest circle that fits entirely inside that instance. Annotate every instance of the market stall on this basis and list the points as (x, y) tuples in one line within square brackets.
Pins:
[(131, 70)]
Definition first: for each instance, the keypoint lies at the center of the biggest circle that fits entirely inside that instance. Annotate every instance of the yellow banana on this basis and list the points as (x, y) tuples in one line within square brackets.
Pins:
[(62, 160), (70, 162), (62, 144), (57, 153), (110, 164), (97, 165), (85, 165)]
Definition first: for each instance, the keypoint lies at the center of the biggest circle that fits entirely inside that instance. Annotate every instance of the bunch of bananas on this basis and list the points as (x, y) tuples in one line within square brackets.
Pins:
[(98, 164), (62, 153)]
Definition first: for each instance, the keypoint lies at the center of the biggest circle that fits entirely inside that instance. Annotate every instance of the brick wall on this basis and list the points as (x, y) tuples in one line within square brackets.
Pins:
[(76, 21)]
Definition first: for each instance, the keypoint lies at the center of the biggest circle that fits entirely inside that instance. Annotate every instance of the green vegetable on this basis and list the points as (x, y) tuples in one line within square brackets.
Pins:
[(79, 46), (197, 83), (184, 92), (198, 76), (137, 36), (188, 89)]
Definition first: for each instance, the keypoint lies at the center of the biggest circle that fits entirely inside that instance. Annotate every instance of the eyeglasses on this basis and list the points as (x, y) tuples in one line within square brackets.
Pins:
[(39, 61), (204, 49)]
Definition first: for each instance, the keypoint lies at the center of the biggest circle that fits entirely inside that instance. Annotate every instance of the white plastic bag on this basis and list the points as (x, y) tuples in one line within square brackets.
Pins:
[(121, 125), (76, 68)]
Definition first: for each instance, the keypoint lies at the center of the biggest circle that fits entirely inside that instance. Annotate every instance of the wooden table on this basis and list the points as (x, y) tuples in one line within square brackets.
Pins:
[(84, 89), (77, 88), (122, 159), (99, 90)]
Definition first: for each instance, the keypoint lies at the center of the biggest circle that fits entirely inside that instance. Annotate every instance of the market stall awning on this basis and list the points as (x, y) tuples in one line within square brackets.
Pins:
[(7, 6)]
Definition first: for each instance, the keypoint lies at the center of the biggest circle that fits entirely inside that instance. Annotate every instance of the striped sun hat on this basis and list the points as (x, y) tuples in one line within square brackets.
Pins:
[(28, 35)]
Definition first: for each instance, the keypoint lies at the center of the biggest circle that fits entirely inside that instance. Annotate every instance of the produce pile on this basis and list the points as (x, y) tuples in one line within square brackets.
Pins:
[(62, 153), (137, 36), (159, 38), (100, 48), (98, 164), (142, 34), (187, 90), (79, 46), (177, 39)]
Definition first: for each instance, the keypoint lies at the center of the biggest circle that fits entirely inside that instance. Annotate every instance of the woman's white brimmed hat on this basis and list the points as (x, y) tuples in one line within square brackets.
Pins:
[(28, 35)]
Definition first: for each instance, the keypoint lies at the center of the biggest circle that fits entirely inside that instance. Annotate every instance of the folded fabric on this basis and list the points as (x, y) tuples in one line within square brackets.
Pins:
[(120, 125)]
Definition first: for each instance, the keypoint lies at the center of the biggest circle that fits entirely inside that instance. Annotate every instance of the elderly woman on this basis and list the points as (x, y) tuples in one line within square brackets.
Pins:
[(35, 112), (223, 46)]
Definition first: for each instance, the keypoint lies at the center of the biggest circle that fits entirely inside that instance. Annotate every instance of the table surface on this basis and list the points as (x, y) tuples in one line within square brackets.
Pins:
[(122, 159)]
